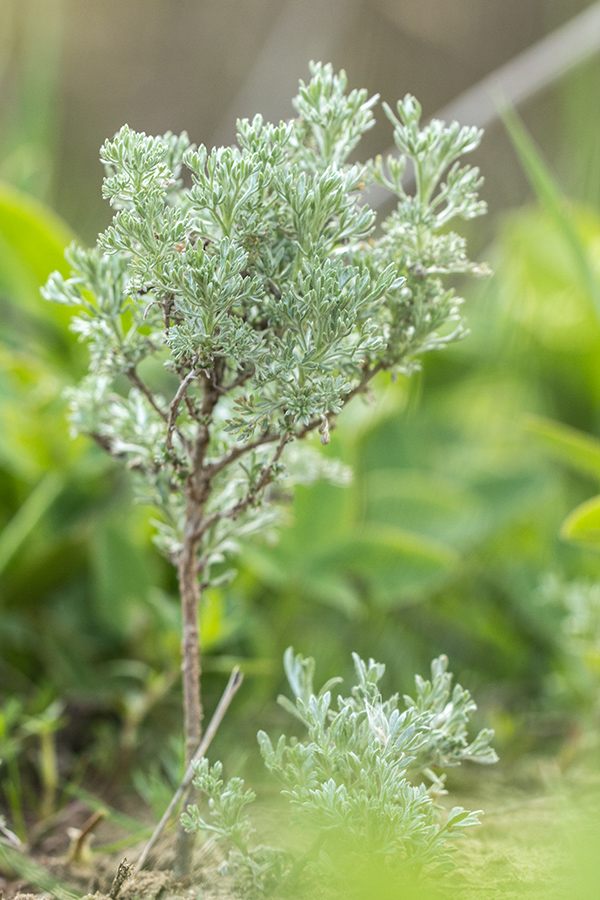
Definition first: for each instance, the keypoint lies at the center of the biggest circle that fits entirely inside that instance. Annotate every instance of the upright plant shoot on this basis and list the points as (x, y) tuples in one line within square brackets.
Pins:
[(240, 299)]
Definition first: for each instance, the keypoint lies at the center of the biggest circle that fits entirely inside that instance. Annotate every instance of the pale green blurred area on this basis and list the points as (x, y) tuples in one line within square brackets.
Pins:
[(73, 71), (448, 539)]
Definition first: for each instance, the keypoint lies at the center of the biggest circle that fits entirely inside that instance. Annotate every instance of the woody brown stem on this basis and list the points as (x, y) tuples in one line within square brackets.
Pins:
[(252, 495), (188, 569), (174, 406), (190, 561), (189, 565), (189, 590)]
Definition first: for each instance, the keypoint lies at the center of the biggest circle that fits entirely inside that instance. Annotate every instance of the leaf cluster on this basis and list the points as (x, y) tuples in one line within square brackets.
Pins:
[(240, 297), (363, 782)]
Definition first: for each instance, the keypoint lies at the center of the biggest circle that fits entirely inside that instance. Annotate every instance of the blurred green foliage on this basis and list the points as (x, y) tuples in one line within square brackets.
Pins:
[(454, 465), (440, 544), (75, 560), (471, 527), (27, 741), (30, 56)]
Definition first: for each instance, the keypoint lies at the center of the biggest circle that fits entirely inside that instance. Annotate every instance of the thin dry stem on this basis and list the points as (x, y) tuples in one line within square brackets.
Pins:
[(250, 497), (145, 390), (174, 405), (267, 437), (166, 417), (233, 684)]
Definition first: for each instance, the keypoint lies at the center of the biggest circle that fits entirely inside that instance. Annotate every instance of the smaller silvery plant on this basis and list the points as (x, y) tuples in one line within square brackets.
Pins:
[(242, 296), (362, 783)]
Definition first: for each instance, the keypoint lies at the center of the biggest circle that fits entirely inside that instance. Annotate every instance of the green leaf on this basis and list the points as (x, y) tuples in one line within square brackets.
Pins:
[(424, 503), (575, 448), (32, 243), (398, 565), (216, 625), (583, 524)]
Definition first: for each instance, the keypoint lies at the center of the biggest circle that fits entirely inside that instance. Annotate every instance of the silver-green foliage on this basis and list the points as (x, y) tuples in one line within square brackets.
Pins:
[(241, 296), (362, 783)]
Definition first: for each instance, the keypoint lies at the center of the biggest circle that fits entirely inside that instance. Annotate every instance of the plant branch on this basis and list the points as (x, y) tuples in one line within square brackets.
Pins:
[(368, 376), (210, 398), (241, 379), (268, 437), (191, 407), (174, 405), (238, 508), (189, 590), (317, 422), (198, 491), (233, 684), (145, 390)]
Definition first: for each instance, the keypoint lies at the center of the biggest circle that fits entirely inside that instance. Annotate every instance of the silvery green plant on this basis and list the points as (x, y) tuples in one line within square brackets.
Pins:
[(362, 781), (242, 296)]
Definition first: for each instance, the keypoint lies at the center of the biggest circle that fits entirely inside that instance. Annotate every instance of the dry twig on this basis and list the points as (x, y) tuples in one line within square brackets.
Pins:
[(81, 837), (233, 684)]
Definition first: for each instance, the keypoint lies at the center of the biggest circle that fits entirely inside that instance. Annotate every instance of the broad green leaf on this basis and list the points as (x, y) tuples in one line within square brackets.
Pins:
[(32, 243), (391, 564), (33, 425), (321, 512), (577, 449), (583, 524), (289, 570), (331, 589), (510, 495), (544, 308), (215, 623), (424, 503), (396, 565)]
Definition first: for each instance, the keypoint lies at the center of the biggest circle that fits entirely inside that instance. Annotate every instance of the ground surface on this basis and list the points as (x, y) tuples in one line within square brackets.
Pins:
[(530, 846)]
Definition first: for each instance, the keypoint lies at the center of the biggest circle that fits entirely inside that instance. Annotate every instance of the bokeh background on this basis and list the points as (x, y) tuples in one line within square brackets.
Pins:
[(74, 72), (458, 496)]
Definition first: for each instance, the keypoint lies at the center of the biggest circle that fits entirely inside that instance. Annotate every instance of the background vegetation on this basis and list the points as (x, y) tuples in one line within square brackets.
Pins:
[(449, 537)]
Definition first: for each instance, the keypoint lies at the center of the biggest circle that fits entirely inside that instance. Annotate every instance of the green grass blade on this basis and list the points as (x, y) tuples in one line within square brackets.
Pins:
[(583, 524), (12, 860), (16, 532), (134, 826), (550, 196), (578, 450)]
